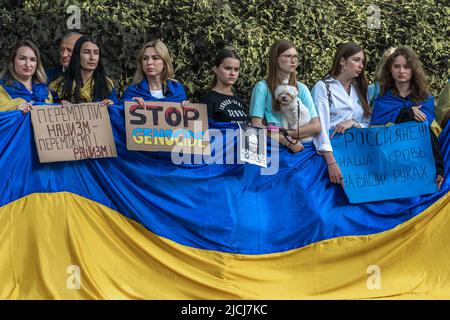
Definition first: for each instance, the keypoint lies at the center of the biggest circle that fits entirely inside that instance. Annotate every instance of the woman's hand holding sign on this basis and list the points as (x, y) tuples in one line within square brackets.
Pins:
[(65, 103), (106, 103), (343, 126), (184, 103), (140, 101)]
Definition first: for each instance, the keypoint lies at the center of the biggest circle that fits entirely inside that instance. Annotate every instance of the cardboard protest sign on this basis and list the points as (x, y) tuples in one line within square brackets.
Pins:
[(386, 162), (73, 132), (253, 145), (167, 126)]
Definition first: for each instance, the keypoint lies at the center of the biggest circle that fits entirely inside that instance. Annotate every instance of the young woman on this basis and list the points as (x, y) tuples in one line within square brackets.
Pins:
[(85, 79), (223, 104), (264, 109), (23, 80), (341, 101), (152, 80), (405, 97)]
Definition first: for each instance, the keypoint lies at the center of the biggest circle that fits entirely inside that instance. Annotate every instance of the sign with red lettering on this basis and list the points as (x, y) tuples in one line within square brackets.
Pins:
[(73, 132), (167, 126)]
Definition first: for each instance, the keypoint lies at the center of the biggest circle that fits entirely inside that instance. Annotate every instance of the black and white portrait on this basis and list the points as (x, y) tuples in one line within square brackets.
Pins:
[(253, 145)]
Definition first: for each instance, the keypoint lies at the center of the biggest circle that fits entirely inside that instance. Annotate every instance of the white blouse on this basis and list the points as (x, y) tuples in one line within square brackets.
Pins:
[(158, 94), (343, 107)]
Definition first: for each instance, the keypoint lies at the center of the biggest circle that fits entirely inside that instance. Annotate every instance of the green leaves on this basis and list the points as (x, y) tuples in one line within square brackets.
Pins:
[(195, 31)]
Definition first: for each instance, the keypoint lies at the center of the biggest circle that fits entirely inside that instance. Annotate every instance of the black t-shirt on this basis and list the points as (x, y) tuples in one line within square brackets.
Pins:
[(224, 108)]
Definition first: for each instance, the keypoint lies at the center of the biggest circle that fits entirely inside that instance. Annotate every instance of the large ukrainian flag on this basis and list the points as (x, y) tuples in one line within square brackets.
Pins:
[(138, 226)]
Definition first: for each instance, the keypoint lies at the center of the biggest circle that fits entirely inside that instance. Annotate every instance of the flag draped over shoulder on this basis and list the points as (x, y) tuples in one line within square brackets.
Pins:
[(17, 91), (86, 91), (38, 95), (388, 106), (140, 226), (173, 92)]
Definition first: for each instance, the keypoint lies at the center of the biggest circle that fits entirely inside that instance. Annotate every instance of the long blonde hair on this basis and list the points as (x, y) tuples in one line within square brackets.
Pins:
[(163, 52), (9, 74)]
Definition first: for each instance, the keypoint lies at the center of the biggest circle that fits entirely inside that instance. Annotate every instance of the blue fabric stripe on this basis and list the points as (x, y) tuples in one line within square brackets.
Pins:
[(230, 208)]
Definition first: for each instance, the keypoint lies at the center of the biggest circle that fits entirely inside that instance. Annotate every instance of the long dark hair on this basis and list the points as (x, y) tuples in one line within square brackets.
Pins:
[(222, 55), (345, 51), (101, 88), (418, 84)]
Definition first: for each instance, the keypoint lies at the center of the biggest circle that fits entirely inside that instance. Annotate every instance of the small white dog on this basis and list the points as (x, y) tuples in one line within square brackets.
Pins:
[(293, 111)]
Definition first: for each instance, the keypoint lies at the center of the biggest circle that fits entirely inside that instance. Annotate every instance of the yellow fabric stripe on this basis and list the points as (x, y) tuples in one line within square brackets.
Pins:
[(436, 128), (6, 102), (43, 234), (85, 91), (57, 86)]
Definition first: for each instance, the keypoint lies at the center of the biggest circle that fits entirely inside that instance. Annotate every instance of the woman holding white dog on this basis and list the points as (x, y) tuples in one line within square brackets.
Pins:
[(265, 109), (341, 101)]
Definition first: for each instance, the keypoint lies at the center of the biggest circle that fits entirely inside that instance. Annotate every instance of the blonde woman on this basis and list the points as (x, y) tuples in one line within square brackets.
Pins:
[(152, 80), (23, 81)]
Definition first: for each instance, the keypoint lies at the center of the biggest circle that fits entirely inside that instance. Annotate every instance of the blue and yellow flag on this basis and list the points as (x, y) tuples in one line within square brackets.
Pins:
[(141, 227)]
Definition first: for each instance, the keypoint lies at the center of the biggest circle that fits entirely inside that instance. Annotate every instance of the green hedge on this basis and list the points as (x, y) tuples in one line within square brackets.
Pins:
[(195, 30)]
